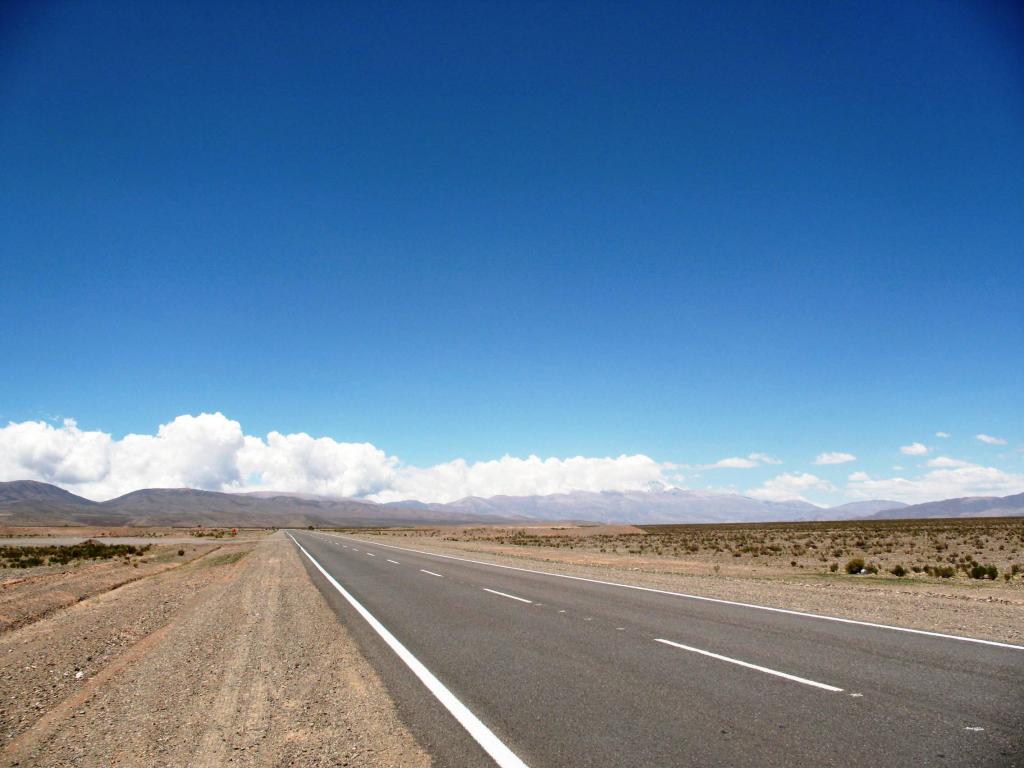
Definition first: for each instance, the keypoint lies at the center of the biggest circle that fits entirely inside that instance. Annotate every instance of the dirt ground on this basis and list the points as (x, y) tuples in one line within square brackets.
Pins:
[(96, 531), (230, 658), (985, 609)]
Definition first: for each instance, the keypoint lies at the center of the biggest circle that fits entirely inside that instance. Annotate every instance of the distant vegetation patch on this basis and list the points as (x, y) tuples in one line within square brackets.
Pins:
[(214, 533), (29, 557), (963, 548)]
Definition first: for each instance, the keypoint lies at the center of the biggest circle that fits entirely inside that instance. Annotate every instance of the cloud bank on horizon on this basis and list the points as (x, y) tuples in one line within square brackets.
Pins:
[(212, 452)]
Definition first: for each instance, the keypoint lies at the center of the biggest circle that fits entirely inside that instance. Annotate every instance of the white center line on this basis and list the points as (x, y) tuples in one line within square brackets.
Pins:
[(704, 598), (431, 573), (504, 594), (495, 747), (395, 562), (748, 665)]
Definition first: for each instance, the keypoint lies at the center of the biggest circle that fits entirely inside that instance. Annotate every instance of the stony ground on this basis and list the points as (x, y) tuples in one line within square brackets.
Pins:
[(983, 609), (231, 659), (29, 594)]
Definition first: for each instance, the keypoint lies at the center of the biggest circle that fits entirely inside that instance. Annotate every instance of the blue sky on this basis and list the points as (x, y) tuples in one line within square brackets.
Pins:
[(688, 231)]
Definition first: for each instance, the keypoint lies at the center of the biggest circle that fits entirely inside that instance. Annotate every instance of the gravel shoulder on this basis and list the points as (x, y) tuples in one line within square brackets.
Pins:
[(988, 611), (232, 659)]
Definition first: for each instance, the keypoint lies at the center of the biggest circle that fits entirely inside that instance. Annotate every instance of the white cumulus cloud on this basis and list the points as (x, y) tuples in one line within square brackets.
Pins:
[(791, 485), (947, 462), (949, 479), (914, 449), (210, 451), (989, 440), (764, 458), (943, 434), (513, 476), (834, 457), (742, 462)]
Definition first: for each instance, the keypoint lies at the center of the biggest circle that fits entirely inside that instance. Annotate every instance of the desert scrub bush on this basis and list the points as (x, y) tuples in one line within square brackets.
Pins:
[(833, 567), (29, 557), (898, 571), (855, 565), (984, 572)]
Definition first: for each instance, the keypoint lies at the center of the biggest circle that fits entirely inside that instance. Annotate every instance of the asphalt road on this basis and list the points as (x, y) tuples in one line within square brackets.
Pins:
[(564, 672)]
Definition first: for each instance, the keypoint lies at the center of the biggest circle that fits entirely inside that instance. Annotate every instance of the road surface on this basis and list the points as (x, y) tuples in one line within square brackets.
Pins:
[(497, 665)]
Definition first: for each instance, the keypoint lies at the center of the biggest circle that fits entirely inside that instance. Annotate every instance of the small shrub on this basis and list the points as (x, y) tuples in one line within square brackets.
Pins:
[(984, 572), (855, 565), (834, 567), (181, 553), (898, 571)]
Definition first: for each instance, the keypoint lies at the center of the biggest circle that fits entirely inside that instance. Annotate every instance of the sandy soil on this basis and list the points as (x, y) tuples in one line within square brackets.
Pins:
[(988, 610), (232, 659)]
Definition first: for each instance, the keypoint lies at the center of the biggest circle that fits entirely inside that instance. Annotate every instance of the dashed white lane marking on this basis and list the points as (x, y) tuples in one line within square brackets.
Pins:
[(395, 562), (974, 728), (718, 600), (748, 665), (505, 594), (495, 747), (423, 570), (370, 554)]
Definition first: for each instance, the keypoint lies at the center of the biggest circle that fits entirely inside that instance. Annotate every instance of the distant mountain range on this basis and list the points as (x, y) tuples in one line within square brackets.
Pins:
[(968, 506), (651, 507), (27, 502)]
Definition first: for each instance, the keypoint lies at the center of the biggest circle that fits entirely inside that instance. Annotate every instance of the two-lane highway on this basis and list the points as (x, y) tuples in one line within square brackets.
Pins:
[(522, 667)]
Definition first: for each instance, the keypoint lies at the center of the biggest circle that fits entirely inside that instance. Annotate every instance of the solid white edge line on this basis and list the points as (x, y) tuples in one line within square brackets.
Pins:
[(505, 594), (424, 570), (718, 600), (748, 665), (483, 735)]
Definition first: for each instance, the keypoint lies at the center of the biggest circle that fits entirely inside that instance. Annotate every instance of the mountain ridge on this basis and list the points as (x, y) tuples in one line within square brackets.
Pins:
[(965, 506), (671, 505), (29, 502), (26, 502)]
